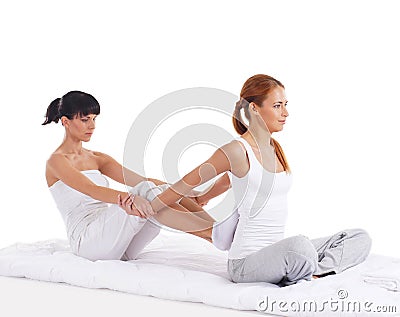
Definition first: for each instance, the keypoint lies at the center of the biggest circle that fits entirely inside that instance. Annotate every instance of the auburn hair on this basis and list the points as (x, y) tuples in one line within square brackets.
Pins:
[(256, 90)]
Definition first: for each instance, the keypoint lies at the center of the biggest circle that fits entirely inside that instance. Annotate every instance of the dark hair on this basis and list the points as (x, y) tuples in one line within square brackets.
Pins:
[(71, 104)]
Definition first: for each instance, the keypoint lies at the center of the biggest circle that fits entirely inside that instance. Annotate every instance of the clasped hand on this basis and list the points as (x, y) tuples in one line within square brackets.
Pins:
[(136, 206)]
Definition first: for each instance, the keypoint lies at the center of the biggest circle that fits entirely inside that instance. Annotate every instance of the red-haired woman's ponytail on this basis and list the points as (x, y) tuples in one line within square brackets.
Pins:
[(281, 155), (237, 120)]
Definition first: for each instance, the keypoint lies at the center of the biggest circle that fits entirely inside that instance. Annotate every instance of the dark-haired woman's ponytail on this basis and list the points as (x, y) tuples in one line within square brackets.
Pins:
[(52, 113)]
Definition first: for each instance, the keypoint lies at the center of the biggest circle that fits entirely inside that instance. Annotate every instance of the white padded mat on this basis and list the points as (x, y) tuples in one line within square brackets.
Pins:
[(185, 268)]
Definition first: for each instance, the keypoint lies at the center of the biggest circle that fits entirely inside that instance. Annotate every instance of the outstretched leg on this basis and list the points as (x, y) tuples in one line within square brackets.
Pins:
[(141, 239), (177, 217), (191, 206)]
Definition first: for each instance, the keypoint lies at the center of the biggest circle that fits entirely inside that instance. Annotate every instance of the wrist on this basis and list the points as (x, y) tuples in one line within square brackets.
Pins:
[(199, 199)]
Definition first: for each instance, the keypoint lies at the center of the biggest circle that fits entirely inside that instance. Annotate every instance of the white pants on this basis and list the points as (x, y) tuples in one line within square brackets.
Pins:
[(112, 234)]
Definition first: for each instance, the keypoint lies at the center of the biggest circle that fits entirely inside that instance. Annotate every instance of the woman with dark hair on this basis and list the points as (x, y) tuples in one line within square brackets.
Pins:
[(255, 166), (97, 227)]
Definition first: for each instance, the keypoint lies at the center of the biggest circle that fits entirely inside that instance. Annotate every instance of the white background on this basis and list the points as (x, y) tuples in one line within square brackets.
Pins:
[(338, 61)]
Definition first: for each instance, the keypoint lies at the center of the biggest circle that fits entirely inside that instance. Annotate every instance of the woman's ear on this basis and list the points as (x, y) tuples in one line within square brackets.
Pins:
[(252, 107), (64, 121)]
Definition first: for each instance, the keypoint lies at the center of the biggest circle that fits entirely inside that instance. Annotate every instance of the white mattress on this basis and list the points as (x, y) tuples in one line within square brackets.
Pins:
[(181, 267)]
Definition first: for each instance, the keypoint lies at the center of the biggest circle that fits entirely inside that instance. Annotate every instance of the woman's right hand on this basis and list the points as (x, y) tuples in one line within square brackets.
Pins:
[(136, 206), (195, 196), (201, 201)]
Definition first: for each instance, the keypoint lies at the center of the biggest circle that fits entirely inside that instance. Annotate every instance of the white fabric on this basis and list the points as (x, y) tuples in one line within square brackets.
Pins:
[(224, 231), (186, 268), (74, 206), (261, 201), (97, 230), (385, 278), (77, 208)]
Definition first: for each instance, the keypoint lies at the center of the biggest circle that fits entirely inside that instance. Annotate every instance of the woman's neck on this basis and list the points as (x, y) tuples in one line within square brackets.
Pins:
[(258, 137), (71, 146)]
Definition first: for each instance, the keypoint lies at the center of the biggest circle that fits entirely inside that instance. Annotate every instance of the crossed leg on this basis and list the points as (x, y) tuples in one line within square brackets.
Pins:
[(341, 251)]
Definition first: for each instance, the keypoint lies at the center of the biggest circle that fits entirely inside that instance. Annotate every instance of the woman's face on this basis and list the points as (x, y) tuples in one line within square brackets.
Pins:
[(81, 128), (273, 111)]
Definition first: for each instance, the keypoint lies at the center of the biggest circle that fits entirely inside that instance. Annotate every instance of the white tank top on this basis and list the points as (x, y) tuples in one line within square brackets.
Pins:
[(76, 208), (261, 202)]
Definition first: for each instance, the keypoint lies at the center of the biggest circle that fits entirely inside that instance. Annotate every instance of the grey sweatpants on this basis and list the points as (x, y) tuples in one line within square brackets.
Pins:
[(298, 258)]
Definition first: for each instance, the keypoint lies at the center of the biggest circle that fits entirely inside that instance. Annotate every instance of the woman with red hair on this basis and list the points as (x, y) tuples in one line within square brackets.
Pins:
[(256, 168)]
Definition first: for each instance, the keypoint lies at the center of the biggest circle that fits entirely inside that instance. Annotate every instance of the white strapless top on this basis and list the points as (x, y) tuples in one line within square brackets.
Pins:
[(75, 206)]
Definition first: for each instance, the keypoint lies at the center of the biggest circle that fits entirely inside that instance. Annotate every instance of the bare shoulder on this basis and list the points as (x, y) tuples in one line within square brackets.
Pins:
[(54, 163), (102, 158), (99, 155), (234, 150), (236, 154), (55, 159)]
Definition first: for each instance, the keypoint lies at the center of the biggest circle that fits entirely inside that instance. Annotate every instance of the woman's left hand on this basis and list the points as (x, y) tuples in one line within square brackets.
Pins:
[(136, 206), (196, 196)]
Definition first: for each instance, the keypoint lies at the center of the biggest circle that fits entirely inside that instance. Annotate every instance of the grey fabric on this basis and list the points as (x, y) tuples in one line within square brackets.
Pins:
[(342, 250), (284, 263), (298, 258)]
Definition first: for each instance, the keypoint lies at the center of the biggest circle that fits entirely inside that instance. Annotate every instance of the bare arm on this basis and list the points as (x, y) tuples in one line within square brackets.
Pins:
[(219, 187), (156, 181), (111, 168), (63, 170), (226, 158)]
